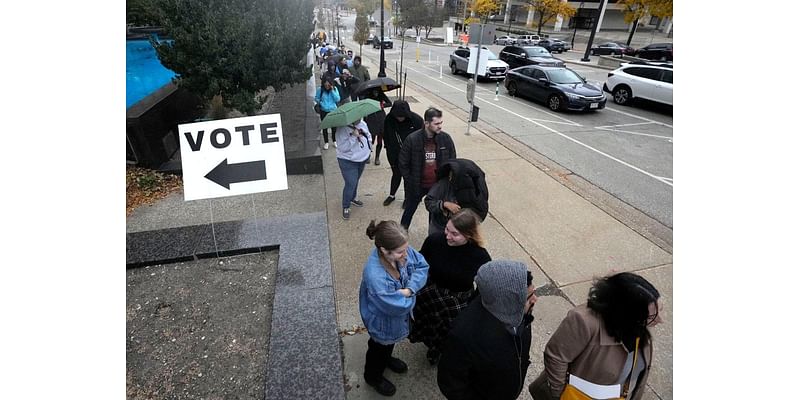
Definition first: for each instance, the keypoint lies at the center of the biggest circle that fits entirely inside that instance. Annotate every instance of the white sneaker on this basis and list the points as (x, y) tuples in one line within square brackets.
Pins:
[(325, 146), (335, 145)]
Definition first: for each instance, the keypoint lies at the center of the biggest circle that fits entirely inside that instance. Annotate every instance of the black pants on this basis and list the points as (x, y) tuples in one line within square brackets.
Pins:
[(396, 178), (322, 115), (378, 356), (412, 202)]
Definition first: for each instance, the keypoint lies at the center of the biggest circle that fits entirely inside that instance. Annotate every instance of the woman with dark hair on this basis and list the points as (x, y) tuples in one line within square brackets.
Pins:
[(393, 274), (327, 97), (605, 343), (454, 257)]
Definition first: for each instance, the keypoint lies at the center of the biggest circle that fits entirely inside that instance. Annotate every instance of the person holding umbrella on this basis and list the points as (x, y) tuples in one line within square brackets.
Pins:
[(353, 149)]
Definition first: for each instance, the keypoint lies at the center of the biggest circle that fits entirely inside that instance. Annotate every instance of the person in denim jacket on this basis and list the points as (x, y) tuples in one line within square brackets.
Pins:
[(393, 274)]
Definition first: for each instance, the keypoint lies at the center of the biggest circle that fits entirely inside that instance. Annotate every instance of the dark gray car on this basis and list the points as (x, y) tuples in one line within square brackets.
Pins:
[(517, 56)]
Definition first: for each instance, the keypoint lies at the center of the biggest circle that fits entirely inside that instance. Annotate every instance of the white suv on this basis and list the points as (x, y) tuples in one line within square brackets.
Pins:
[(645, 80), (528, 39)]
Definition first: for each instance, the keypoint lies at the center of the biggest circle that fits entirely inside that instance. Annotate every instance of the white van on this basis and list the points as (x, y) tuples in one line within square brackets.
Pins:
[(528, 39)]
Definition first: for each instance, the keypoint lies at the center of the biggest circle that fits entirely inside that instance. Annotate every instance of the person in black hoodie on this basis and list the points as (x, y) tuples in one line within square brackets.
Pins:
[(461, 185), (454, 257), (400, 122), (375, 120), (486, 355)]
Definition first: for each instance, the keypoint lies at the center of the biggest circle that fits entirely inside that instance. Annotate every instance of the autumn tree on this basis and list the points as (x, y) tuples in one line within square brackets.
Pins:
[(484, 8), (236, 48), (634, 10), (361, 30), (548, 10)]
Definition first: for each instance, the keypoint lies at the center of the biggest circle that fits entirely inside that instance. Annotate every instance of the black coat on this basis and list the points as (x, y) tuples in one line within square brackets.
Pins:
[(395, 132), (375, 120), (481, 359), (452, 267), (412, 157), (467, 188)]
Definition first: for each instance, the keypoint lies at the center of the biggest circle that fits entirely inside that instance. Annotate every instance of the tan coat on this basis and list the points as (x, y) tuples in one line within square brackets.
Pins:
[(582, 346)]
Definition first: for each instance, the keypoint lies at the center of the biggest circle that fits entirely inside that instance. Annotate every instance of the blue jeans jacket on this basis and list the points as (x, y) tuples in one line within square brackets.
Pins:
[(384, 311)]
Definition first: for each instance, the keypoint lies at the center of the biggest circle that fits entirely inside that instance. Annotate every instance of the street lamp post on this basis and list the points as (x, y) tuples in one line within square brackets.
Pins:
[(382, 71), (594, 28)]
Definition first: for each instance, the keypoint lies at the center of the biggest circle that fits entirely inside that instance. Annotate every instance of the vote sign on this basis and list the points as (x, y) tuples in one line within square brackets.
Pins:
[(230, 157)]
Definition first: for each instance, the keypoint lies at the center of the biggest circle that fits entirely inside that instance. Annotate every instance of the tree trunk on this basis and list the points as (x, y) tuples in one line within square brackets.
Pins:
[(633, 30), (539, 28)]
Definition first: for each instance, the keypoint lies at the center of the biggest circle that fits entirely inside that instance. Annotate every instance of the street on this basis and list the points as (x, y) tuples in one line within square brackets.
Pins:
[(625, 151)]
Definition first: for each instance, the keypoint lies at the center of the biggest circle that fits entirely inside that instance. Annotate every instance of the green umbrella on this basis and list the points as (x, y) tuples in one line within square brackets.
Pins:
[(350, 112)]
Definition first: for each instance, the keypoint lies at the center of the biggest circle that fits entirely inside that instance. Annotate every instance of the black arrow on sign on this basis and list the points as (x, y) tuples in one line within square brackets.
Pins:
[(224, 174)]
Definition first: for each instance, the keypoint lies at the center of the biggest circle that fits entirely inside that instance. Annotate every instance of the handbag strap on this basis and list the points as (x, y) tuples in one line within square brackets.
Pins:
[(633, 368)]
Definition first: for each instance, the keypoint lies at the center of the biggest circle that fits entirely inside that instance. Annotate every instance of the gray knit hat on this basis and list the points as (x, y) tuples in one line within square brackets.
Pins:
[(503, 286)]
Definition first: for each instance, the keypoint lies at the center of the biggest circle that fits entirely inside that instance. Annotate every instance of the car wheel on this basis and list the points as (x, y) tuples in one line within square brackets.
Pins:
[(554, 102), (453, 69), (622, 95), (591, 52), (512, 89), (613, 53)]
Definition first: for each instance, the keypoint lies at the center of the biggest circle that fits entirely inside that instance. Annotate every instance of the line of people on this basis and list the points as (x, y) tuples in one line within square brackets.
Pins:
[(475, 316)]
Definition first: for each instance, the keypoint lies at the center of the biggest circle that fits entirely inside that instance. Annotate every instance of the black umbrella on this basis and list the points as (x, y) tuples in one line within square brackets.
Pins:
[(385, 84)]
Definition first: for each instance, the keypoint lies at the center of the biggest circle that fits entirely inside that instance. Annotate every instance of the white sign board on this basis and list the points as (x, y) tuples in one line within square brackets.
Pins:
[(449, 36), (489, 32), (473, 55), (230, 157)]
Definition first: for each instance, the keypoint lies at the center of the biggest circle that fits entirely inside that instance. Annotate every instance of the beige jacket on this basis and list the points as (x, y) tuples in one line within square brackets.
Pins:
[(581, 346)]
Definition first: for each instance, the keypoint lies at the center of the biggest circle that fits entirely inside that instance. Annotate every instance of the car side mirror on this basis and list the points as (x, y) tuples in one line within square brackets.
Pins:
[(544, 81)]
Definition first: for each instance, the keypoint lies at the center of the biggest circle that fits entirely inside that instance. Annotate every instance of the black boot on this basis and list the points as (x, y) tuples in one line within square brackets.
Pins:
[(383, 386)]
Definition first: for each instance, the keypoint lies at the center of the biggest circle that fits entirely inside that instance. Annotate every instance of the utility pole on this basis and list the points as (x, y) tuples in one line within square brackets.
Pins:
[(594, 29), (382, 71)]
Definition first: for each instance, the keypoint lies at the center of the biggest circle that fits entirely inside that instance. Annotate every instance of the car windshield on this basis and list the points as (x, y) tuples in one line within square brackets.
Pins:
[(537, 52), (563, 76)]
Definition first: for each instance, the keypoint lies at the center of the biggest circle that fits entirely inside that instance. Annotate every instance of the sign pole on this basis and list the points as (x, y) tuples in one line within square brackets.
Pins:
[(496, 90), (475, 79)]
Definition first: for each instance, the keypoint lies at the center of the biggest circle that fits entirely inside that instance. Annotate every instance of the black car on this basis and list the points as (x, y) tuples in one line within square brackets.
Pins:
[(560, 88), (517, 56), (612, 48), (655, 51), (387, 43), (552, 45)]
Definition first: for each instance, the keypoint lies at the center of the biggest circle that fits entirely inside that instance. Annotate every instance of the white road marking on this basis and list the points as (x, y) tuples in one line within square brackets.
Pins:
[(639, 117), (611, 129), (568, 122), (635, 168)]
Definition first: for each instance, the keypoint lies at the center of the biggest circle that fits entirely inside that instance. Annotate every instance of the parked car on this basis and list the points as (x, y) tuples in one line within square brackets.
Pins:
[(644, 80), (560, 88), (387, 43), (612, 48), (495, 68), (506, 40), (552, 45), (567, 46), (655, 51), (528, 39), (517, 56)]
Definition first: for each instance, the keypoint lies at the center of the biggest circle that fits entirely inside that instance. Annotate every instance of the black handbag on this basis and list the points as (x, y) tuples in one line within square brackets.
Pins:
[(317, 109)]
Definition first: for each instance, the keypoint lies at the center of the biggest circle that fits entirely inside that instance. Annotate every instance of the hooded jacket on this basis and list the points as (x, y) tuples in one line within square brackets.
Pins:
[(487, 353), (467, 187), (384, 311), (395, 132)]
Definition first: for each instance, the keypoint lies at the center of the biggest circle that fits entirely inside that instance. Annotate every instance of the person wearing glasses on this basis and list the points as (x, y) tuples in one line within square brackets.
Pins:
[(487, 353), (605, 342)]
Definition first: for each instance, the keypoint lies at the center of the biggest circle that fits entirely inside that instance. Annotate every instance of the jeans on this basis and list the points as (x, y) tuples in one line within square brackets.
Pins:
[(412, 202), (351, 172), (378, 356)]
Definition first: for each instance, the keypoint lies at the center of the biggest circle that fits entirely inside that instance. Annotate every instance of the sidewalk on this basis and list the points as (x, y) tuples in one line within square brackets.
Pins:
[(565, 240)]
